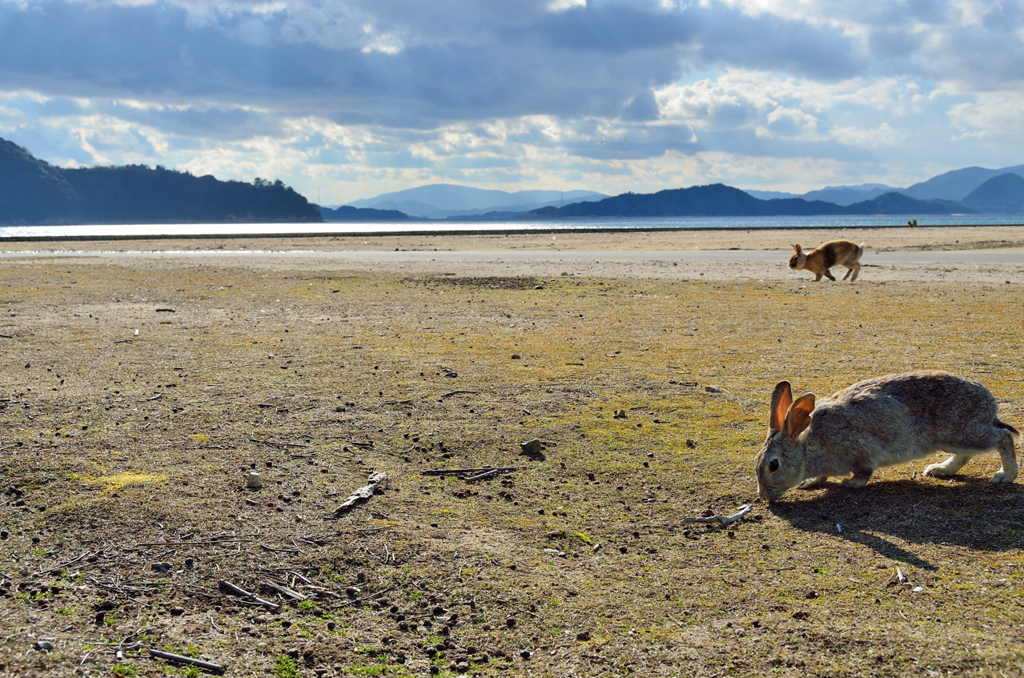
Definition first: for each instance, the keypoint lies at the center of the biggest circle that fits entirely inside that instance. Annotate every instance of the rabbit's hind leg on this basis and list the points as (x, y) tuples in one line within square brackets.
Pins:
[(1009, 458), (860, 478)]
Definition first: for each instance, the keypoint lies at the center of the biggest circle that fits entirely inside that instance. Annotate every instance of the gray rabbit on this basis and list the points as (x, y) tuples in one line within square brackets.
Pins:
[(881, 422)]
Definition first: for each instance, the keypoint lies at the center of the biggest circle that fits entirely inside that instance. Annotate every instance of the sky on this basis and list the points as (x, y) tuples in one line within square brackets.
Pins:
[(347, 99)]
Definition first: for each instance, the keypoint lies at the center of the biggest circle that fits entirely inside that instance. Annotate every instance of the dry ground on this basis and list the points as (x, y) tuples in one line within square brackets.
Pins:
[(136, 396)]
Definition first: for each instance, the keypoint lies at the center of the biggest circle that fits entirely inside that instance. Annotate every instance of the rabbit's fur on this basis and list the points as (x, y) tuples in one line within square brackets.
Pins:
[(880, 422), (824, 257)]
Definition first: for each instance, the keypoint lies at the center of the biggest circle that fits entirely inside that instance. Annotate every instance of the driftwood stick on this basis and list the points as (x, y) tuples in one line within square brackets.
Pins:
[(724, 520), (160, 654), (363, 493), (226, 585)]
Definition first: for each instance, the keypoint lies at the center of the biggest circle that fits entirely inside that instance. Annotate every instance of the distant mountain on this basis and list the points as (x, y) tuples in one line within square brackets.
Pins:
[(771, 195), (726, 201), (898, 203), (957, 184), (840, 195), (347, 213), (1002, 194), (441, 201), (847, 195), (33, 192)]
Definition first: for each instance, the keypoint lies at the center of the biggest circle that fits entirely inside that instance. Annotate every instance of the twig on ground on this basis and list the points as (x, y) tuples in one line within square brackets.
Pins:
[(62, 565), (378, 594), (286, 591), (463, 471), (226, 585), (272, 443), (724, 520), (177, 658), (454, 393), (273, 550), (200, 542), (296, 575), (489, 474)]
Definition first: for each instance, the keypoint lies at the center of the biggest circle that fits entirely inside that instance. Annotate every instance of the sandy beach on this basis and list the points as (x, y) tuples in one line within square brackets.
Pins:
[(968, 254)]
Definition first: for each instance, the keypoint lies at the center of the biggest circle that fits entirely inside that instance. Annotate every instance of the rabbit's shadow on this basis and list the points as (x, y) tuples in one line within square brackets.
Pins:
[(965, 512)]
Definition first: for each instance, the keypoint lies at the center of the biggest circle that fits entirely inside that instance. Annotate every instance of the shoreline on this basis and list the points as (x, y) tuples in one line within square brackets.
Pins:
[(483, 232), (894, 254), (879, 238)]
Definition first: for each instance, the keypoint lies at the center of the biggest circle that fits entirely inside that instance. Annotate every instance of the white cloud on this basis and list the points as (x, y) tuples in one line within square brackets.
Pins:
[(879, 137), (562, 5), (989, 114)]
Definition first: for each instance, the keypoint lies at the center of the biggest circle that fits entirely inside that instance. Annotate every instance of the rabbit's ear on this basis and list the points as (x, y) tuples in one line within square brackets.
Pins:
[(797, 248), (782, 398), (799, 416)]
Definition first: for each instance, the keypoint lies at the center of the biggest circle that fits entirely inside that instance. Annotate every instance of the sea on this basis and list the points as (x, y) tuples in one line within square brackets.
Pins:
[(427, 227)]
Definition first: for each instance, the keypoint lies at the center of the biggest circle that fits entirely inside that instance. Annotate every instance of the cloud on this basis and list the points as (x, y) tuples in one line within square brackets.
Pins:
[(329, 91)]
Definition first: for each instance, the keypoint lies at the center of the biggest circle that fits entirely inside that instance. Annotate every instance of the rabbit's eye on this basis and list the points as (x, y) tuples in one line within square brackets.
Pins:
[(773, 465)]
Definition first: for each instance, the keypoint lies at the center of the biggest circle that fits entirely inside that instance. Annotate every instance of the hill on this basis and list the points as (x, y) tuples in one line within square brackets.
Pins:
[(348, 213), (1000, 194), (725, 201), (956, 185), (34, 192), (443, 201)]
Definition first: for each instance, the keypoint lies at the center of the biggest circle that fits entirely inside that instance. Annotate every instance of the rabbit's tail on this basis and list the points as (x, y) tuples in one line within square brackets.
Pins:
[(1013, 432)]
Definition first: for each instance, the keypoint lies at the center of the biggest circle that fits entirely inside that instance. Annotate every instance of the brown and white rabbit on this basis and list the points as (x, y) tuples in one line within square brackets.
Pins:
[(880, 422), (824, 257)]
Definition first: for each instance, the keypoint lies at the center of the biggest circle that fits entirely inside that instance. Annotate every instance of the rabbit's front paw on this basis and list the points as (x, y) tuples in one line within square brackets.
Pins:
[(947, 468), (812, 483)]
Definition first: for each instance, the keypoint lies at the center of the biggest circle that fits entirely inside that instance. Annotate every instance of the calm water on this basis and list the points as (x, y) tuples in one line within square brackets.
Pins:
[(512, 225)]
